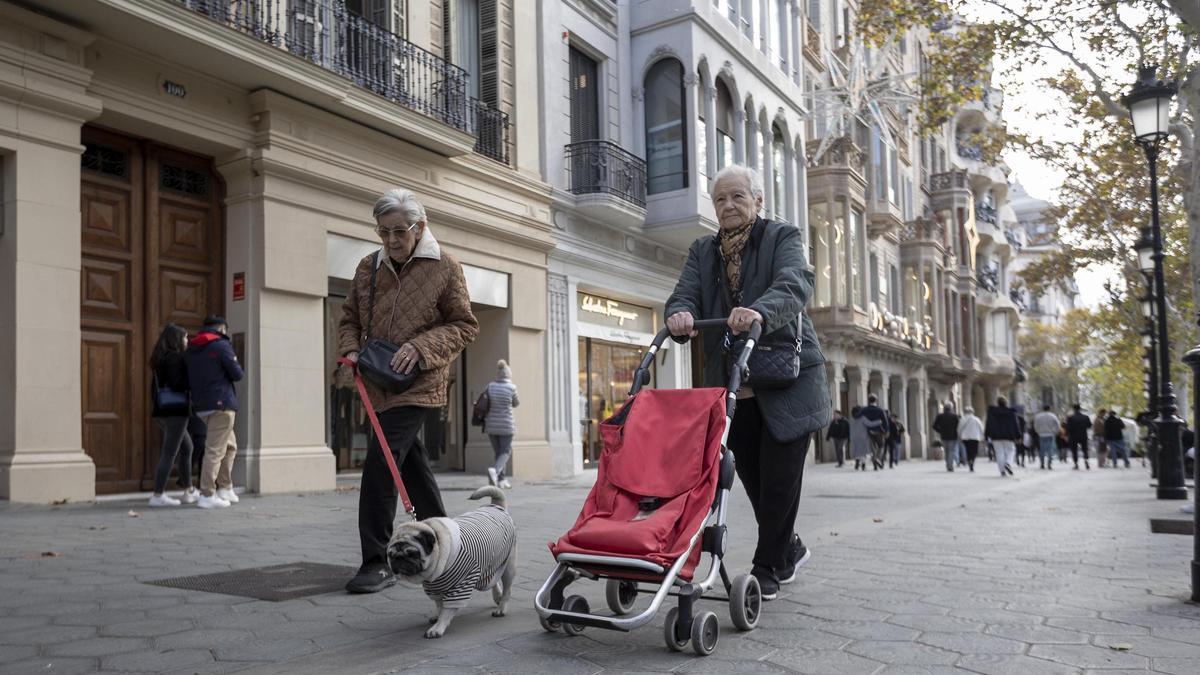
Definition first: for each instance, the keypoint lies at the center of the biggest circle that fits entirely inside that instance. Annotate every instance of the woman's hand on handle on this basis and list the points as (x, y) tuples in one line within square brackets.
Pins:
[(680, 323), (741, 318)]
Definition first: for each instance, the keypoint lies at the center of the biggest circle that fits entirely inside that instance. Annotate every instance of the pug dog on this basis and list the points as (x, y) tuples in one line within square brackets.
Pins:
[(454, 557)]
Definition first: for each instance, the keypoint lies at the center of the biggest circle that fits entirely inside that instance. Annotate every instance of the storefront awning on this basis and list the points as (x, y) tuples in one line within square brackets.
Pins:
[(486, 287)]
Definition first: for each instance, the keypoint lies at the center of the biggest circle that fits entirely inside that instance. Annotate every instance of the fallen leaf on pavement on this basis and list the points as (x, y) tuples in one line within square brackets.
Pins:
[(98, 527), (134, 514), (877, 520), (1121, 647), (833, 534), (51, 554), (58, 502)]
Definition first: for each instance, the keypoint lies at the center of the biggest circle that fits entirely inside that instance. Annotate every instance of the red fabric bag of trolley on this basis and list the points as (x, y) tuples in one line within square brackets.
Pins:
[(657, 477)]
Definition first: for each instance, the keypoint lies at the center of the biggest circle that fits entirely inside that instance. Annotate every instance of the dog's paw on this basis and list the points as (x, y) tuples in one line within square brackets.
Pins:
[(499, 611), (434, 633)]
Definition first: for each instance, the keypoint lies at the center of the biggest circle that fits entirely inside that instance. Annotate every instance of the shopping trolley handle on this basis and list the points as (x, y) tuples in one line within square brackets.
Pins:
[(641, 376)]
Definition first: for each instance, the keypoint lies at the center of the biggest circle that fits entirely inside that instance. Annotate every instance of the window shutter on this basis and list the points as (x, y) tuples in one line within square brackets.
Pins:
[(447, 31), (585, 123), (489, 53)]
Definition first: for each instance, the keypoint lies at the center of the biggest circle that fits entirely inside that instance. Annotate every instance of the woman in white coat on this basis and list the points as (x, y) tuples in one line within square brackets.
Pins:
[(499, 424), (970, 432)]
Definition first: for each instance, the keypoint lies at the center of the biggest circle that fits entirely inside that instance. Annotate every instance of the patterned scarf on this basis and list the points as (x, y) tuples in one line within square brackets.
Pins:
[(733, 241)]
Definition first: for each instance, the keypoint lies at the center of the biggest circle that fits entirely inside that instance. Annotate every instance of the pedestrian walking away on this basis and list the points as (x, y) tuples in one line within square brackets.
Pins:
[(839, 433), (1114, 437), (1099, 438), (1046, 427), (499, 423), (1078, 426), (212, 370), (412, 294), (171, 405), (879, 433), (860, 437), (946, 425), (970, 433), (896, 433), (755, 269), (1003, 429)]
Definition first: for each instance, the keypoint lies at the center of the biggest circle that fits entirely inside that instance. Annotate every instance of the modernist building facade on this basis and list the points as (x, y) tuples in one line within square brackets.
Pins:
[(911, 237), (167, 159)]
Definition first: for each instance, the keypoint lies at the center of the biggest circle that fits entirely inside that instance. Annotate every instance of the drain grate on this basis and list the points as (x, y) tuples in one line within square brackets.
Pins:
[(1171, 526), (274, 583), (846, 496)]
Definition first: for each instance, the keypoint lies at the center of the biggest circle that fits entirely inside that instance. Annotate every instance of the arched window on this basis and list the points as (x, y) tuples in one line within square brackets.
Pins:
[(778, 174), (666, 130), (725, 122)]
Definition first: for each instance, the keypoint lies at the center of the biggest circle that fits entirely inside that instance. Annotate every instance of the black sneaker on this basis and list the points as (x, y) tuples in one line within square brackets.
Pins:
[(797, 556), (768, 584), (371, 580)]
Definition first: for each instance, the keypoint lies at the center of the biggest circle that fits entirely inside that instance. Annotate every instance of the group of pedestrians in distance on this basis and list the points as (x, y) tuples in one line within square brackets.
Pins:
[(875, 434), (871, 433)]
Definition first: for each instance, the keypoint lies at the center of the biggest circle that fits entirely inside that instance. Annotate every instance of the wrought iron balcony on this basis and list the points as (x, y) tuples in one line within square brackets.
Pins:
[(988, 278), (970, 151), (949, 180), (985, 213), (326, 33), (1013, 239), (603, 167)]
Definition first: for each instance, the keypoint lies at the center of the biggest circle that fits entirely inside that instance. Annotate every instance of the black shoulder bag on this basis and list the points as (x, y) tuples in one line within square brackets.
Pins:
[(375, 359), (774, 364)]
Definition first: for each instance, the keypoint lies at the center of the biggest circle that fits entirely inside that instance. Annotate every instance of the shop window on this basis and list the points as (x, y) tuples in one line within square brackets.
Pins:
[(605, 377), (724, 122), (666, 130)]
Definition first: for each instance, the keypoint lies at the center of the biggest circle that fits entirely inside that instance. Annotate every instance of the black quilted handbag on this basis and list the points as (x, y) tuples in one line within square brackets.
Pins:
[(375, 359)]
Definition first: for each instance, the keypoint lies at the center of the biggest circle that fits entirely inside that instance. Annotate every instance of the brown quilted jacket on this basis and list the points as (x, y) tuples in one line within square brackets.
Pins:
[(424, 302)]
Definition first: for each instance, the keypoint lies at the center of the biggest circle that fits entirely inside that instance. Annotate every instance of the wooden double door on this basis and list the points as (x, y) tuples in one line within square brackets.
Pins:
[(152, 251)]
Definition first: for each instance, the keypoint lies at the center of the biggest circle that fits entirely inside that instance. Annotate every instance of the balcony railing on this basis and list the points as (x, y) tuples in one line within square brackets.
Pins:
[(1013, 239), (949, 180), (326, 33), (988, 278), (970, 151), (985, 213), (603, 167)]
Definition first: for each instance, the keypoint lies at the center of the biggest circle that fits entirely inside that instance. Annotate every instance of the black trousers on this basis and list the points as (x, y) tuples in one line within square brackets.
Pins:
[(1076, 446), (377, 495), (772, 473), (972, 452)]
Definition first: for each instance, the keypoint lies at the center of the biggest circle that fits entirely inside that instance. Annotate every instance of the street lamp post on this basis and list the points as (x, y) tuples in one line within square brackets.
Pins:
[(1150, 356), (1193, 359), (1149, 104)]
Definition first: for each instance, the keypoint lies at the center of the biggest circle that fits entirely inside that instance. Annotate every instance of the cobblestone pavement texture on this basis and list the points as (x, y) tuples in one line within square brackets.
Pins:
[(914, 570)]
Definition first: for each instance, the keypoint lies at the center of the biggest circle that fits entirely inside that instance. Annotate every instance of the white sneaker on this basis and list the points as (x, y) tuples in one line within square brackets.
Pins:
[(189, 496), (493, 477), (505, 484), (213, 502), (163, 500), (228, 495)]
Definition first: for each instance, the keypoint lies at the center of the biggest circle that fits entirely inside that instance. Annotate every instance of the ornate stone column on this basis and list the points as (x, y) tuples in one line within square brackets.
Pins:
[(560, 381)]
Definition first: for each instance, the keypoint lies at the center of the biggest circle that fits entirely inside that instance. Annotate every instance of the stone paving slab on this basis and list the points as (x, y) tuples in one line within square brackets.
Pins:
[(914, 571)]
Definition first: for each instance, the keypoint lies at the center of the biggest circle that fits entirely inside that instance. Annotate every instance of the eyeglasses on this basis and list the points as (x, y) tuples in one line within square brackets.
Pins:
[(385, 233)]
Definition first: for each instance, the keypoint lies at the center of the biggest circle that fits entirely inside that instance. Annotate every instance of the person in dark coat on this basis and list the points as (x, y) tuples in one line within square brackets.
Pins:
[(1003, 428), (895, 440), (879, 434), (946, 425), (213, 369), (755, 270), (839, 433), (1078, 426), (170, 373), (1114, 436)]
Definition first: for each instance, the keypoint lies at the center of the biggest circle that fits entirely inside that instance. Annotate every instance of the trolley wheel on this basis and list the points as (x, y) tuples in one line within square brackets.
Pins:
[(705, 633), (669, 632), (578, 604), (620, 595), (745, 602), (550, 625)]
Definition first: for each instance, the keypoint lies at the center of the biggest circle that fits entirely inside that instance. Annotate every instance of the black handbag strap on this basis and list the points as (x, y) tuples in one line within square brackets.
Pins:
[(371, 297)]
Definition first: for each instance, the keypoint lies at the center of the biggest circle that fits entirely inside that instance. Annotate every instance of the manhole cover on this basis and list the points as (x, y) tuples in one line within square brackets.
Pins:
[(846, 496), (274, 583), (1171, 526)]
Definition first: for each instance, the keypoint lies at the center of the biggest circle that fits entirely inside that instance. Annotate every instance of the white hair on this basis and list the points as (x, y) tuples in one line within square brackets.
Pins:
[(399, 199), (749, 174)]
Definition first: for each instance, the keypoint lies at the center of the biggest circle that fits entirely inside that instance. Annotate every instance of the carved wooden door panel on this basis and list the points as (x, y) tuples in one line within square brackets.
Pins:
[(151, 253), (111, 299)]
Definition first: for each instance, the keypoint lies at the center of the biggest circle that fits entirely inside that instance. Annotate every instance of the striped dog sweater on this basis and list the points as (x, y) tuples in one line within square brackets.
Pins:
[(486, 539)]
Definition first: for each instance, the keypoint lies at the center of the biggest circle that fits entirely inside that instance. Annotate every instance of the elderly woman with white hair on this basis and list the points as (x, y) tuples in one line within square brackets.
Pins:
[(754, 269), (411, 293)]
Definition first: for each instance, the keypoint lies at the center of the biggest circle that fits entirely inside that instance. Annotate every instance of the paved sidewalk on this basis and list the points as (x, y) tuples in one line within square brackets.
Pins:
[(914, 571)]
